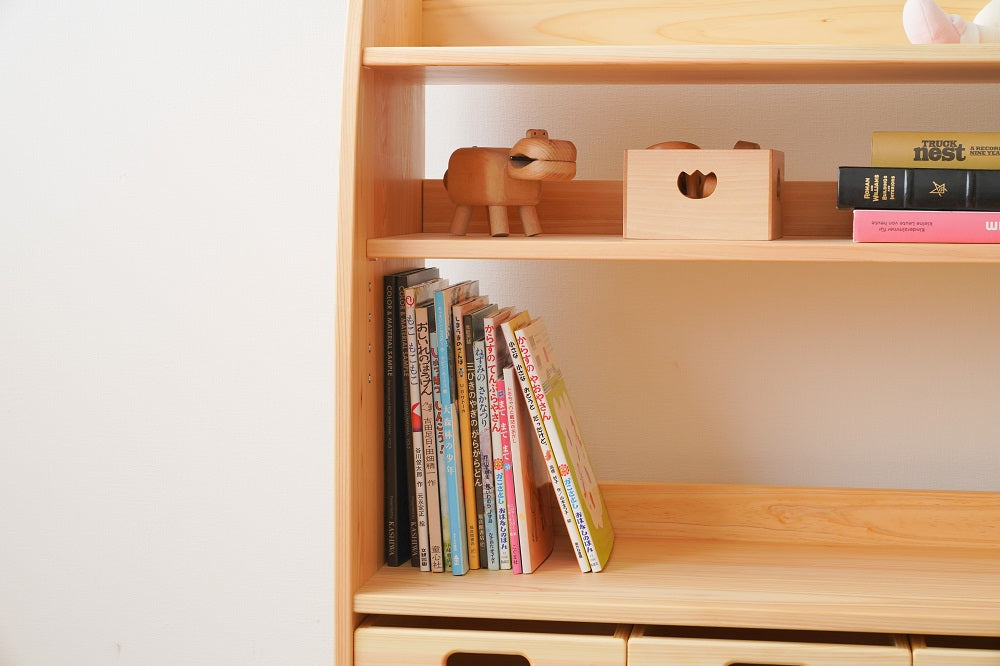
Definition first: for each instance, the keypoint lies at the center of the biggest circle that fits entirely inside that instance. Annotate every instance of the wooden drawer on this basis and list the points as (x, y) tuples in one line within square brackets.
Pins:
[(955, 651), (419, 641), (696, 646)]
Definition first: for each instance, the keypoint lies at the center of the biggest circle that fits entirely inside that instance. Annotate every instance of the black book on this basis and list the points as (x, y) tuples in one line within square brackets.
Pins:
[(399, 531), (918, 189)]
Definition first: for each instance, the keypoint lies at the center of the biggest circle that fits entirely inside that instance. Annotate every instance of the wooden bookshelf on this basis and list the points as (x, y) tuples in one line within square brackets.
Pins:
[(722, 556)]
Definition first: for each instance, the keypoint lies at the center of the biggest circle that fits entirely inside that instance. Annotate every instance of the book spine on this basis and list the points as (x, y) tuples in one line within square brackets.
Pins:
[(464, 442), (500, 488), (921, 189), (942, 150), (546, 450), (486, 457), (416, 431), (498, 420), (474, 449), (509, 490), (425, 437), (534, 542), (452, 454), (396, 511), (544, 414), (439, 452), (404, 427), (917, 226)]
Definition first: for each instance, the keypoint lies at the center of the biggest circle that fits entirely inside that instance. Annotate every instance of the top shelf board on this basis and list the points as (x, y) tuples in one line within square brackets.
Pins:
[(688, 64)]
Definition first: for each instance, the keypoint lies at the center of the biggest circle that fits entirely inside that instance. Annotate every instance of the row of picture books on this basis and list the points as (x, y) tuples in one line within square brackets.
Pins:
[(483, 452), (925, 187)]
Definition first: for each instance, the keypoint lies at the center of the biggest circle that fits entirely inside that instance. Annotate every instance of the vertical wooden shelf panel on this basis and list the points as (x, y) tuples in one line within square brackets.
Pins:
[(381, 167)]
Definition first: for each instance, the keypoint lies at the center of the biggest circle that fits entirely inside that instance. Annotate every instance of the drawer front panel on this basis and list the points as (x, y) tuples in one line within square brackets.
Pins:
[(693, 646), (390, 641), (955, 651)]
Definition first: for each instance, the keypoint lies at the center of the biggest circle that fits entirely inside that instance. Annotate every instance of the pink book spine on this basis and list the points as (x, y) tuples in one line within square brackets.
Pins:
[(926, 226), (508, 484)]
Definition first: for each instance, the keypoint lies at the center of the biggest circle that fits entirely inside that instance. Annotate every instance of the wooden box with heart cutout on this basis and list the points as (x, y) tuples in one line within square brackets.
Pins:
[(703, 194)]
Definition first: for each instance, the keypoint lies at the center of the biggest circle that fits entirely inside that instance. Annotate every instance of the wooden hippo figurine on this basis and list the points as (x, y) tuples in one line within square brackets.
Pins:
[(498, 177)]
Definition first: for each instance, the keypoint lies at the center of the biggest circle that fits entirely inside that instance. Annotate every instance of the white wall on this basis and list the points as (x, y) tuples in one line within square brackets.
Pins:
[(168, 185), (822, 375)]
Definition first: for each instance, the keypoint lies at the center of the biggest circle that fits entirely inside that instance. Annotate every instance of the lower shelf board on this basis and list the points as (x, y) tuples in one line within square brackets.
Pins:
[(892, 589)]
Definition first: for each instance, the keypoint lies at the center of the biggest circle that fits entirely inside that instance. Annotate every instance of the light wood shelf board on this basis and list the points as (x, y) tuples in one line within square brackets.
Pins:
[(590, 247), (750, 556), (695, 63), (720, 583)]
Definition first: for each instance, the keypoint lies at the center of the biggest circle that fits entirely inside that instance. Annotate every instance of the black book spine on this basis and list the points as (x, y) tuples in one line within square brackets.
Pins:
[(918, 189), (395, 505)]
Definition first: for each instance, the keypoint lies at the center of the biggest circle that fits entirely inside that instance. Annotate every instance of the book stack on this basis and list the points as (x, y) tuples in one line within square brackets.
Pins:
[(925, 187), (483, 453)]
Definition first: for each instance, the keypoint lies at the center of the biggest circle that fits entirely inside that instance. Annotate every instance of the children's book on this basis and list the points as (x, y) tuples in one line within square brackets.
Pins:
[(561, 428), (481, 438), (444, 300), (412, 297), (496, 356), (513, 535), (569, 519), (439, 447), (400, 528), (532, 488), (471, 482), (499, 480), (426, 438)]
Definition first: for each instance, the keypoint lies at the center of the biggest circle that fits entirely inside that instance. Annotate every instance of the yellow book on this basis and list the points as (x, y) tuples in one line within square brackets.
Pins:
[(458, 312), (939, 150), (561, 429)]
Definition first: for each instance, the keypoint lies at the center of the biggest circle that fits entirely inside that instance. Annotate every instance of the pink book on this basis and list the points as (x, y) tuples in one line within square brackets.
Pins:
[(926, 226), (508, 482)]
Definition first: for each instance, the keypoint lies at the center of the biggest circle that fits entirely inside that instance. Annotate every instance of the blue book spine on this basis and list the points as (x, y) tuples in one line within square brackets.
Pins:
[(452, 454), (439, 452)]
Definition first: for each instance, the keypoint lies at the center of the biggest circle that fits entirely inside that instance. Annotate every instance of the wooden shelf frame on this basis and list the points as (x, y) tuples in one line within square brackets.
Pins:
[(790, 566)]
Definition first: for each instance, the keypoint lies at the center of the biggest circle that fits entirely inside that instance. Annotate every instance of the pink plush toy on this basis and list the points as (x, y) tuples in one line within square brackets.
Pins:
[(926, 23)]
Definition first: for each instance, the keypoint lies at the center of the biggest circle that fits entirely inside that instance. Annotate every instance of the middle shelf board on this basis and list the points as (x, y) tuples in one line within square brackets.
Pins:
[(591, 247), (582, 220)]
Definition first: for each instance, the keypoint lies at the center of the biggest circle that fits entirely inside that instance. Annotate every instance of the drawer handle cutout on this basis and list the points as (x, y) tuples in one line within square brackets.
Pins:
[(481, 659)]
